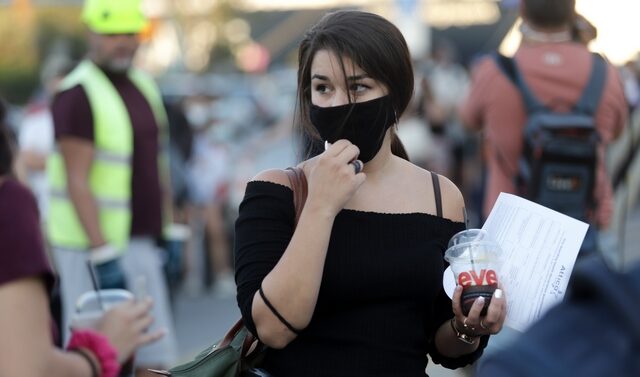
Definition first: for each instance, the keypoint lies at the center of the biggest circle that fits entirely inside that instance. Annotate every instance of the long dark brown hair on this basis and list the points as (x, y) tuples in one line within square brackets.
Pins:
[(370, 42)]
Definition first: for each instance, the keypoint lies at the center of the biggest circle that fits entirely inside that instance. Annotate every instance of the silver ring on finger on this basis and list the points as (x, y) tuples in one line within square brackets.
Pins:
[(464, 323), (483, 325), (357, 166)]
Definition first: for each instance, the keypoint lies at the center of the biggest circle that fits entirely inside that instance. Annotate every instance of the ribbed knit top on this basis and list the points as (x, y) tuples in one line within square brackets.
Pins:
[(381, 298)]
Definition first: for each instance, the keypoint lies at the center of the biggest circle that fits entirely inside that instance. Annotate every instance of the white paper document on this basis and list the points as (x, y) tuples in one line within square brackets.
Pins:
[(539, 249)]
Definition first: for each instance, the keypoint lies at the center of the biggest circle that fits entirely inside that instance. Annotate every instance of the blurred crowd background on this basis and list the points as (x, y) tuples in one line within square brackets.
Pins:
[(227, 72)]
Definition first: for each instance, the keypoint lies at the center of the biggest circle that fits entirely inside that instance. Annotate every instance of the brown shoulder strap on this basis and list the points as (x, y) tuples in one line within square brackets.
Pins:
[(228, 337), (436, 193), (298, 182)]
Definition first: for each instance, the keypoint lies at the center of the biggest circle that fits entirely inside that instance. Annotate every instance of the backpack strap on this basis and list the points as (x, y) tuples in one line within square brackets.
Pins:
[(298, 182), (509, 67), (436, 193), (588, 103)]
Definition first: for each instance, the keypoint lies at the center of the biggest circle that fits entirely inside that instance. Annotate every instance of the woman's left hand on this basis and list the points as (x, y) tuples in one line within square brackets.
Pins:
[(474, 324)]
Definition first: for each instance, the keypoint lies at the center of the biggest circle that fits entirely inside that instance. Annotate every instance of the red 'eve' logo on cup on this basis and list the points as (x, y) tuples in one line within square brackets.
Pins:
[(487, 277)]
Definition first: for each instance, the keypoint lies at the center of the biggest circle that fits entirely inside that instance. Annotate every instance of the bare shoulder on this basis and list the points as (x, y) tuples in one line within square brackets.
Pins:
[(452, 199), (277, 176)]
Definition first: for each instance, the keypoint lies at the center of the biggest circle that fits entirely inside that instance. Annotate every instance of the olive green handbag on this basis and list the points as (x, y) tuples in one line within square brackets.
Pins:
[(239, 352), (236, 353)]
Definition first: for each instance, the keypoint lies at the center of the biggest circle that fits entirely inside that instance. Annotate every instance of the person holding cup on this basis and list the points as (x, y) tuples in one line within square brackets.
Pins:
[(26, 344), (474, 259), (354, 288)]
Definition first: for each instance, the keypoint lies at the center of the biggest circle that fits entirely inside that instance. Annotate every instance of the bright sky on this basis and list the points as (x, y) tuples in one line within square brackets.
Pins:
[(618, 27), (617, 24), (616, 20)]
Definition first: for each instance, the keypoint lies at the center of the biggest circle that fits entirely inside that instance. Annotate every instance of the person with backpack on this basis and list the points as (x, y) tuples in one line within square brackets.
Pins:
[(547, 115)]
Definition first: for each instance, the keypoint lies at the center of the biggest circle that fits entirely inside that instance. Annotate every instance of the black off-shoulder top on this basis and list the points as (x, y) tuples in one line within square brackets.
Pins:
[(381, 298)]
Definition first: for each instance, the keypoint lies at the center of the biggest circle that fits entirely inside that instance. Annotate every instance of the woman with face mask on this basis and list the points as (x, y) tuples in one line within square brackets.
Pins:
[(355, 287)]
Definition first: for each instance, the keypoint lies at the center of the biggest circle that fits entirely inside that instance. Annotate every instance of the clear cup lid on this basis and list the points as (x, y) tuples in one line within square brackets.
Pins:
[(475, 243), (89, 301), (470, 236)]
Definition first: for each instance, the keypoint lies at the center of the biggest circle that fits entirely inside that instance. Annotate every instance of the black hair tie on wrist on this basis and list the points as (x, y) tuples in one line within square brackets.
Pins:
[(94, 367), (277, 314)]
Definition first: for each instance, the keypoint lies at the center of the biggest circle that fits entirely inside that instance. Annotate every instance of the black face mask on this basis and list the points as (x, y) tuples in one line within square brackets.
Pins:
[(363, 123)]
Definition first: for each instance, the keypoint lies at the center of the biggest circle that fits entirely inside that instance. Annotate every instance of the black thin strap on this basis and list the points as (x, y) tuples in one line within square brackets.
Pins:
[(436, 193), (84, 355), (277, 314)]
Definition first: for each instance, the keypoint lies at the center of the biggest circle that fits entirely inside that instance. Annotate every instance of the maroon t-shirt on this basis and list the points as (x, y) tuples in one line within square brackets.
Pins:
[(22, 252), (72, 117)]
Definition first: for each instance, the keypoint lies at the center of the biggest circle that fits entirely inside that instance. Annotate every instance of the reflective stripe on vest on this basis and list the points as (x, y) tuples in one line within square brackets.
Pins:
[(103, 203), (110, 172), (107, 156)]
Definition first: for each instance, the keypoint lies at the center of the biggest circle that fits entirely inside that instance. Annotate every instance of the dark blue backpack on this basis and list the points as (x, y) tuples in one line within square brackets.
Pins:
[(558, 164), (595, 332)]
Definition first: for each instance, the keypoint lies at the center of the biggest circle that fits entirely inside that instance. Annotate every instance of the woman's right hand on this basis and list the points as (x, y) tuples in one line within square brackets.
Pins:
[(332, 177), (126, 324)]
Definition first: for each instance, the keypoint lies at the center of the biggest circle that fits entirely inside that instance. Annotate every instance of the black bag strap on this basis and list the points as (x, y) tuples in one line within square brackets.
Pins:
[(436, 193), (588, 102)]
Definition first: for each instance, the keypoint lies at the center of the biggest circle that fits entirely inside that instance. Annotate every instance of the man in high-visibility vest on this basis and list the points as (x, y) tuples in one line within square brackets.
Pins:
[(105, 177)]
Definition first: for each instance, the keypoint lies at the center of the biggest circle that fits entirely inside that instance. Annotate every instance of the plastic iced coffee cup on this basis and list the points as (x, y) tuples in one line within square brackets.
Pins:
[(89, 311), (473, 257)]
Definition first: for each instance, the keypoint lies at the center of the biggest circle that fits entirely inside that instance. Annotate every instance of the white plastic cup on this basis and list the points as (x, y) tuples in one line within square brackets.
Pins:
[(474, 259), (89, 313)]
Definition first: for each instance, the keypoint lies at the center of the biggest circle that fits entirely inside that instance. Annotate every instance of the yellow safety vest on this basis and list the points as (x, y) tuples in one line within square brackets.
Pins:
[(110, 174)]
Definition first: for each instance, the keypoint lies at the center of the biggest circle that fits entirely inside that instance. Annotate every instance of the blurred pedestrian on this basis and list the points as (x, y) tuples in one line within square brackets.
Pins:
[(26, 344), (443, 86), (355, 288), (208, 176), (36, 143), (35, 134), (556, 67), (180, 149), (107, 177)]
